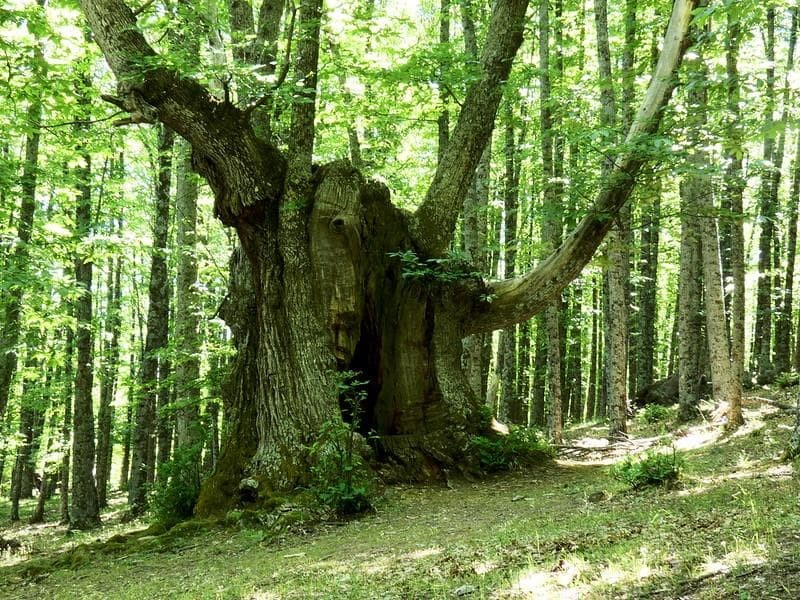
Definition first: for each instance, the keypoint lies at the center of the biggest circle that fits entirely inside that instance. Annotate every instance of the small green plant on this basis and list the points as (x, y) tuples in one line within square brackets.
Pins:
[(784, 380), (522, 446), (654, 413), (340, 479), (173, 497), (452, 267), (654, 467)]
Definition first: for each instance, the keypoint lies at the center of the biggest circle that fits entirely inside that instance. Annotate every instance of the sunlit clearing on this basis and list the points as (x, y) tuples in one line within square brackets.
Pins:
[(418, 554), (483, 568), (559, 582), (258, 595), (697, 438)]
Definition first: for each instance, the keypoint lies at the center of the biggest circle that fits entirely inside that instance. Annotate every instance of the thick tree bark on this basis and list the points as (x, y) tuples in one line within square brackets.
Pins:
[(331, 276)]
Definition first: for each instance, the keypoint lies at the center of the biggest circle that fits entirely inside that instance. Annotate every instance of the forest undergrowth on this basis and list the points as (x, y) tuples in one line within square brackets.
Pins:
[(728, 528)]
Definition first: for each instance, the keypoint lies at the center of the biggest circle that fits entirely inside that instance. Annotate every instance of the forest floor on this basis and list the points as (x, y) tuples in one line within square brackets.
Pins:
[(729, 529)]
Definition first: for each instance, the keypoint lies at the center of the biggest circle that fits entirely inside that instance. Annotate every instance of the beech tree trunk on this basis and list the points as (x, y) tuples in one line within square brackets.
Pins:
[(188, 428), (66, 425), (109, 373), (783, 322), (331, 276), (767, 213), (733, 200), (617, 273), (84, 508), (476, 205), (144, 424)]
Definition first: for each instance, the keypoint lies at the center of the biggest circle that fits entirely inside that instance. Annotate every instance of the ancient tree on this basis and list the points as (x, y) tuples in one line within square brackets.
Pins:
[(318, 285)]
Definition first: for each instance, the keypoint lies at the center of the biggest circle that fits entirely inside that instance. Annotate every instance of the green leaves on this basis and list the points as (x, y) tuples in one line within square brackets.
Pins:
[(655, 467)]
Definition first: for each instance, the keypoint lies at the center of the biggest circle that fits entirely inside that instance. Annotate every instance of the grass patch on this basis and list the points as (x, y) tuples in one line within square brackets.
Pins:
[(731, 530)]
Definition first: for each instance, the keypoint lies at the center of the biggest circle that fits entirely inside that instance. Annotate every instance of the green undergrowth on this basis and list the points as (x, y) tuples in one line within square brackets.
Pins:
[(520, 448), (730, 529)]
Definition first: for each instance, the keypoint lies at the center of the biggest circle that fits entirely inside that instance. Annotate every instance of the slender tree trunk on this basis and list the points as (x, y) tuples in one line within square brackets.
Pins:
[(84, 508), (794, 200), (510, 402), (594, 353), (539, 374), (783, 322), (17, 266), (733, 196), (125, 467), (66, 427), (476, 204), (188, 434), (648, 308), (24, 457), (617, 272), (109, 374), (699, 197), (443, 123), (551, 228), (49, 478), (767, 215), (689, 313), (157, 325)]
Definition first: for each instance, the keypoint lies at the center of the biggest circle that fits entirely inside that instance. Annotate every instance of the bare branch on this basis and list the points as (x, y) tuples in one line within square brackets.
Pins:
[(143, 7), (243, 171)]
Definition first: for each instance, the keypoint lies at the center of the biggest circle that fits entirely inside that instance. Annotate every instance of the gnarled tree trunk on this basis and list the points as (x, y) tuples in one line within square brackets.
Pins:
[(331, 276)]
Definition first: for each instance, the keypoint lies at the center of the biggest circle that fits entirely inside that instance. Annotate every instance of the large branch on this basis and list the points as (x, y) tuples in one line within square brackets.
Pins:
[(434, 221), (243, 171), (515, 300)]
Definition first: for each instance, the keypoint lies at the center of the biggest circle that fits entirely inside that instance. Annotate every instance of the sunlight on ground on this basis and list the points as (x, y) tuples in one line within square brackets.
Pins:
[(698, 437)]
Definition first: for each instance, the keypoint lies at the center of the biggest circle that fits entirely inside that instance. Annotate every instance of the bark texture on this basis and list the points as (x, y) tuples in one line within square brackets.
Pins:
[(84, 507), (144, 424)]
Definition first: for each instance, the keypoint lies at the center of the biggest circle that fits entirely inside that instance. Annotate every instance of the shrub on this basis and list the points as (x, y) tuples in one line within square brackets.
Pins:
[(654, 413), (785, 380), (522, 446), (340, 479), (652, 468), (173, 497)]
